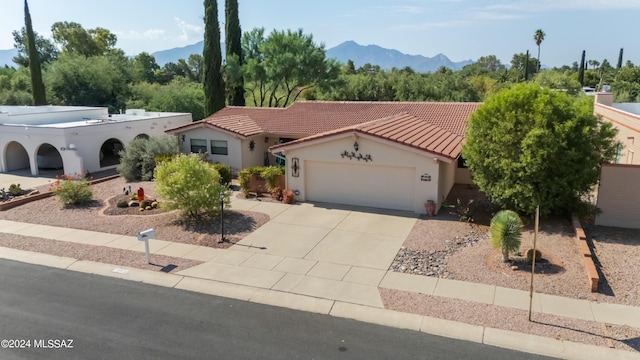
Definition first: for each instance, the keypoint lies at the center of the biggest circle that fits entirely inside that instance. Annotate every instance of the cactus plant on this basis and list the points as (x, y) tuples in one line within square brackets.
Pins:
[(506, 230)]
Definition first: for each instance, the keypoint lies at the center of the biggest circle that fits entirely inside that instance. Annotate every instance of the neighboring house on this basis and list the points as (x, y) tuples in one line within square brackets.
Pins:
[(72, 139), (619, 189), (394, 155), (626, 118), (619, 196)]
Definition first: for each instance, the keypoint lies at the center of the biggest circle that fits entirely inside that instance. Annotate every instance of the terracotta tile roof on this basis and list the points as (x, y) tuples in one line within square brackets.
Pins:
[(307, 118), (403, 128), (242, 125)]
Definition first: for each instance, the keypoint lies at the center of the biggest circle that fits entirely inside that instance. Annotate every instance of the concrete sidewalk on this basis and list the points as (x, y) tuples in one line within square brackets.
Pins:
[(311, 258)]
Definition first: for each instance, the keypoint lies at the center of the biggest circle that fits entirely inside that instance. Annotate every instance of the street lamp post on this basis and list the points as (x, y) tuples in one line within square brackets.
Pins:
[(222, 239)]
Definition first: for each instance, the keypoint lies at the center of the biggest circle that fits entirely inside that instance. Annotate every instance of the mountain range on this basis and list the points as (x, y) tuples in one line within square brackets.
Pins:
[(348, 50)]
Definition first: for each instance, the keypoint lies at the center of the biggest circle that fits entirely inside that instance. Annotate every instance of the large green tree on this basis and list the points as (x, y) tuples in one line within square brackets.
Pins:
[(213, 85), (530, 145), (45, 47), (75, 39), (89, 81), (284, 65), (233, 46), (37, 85)]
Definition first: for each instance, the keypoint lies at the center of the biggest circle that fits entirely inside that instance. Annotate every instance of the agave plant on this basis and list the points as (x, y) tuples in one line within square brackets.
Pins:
[(506, 231)]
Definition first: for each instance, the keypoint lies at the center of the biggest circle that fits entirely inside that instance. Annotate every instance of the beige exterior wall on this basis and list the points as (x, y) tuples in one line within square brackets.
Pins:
[(628, 126), (447, 179), (234, 146), (385, 156), (619, 196)]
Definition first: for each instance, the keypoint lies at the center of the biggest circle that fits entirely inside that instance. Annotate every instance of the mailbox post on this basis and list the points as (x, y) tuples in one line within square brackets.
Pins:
[(145, 236)]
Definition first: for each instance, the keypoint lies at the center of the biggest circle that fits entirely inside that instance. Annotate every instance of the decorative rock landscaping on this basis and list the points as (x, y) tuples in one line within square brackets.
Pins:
[(430, 262)]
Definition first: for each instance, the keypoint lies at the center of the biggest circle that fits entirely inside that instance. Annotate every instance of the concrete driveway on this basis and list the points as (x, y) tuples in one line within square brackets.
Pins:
[(321, 250)]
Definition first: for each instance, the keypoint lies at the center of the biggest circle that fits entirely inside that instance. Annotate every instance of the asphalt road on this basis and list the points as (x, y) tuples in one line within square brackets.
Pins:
[(115, 319)]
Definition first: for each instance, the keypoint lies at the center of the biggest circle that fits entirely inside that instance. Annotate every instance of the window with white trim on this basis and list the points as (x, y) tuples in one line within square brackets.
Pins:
[(219, 147), (198, 145)]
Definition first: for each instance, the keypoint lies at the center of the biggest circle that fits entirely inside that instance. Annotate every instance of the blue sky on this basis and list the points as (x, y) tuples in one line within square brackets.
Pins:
[(460, 29)]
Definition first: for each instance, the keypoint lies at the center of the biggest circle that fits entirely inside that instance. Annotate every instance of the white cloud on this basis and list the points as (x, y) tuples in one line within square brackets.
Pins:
[(187, 29), (150, 34), (408, 9), (546, 5)]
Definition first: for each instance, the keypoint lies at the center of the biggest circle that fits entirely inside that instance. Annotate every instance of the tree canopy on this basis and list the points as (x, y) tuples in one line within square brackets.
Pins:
[(282, 66), (529, 145)]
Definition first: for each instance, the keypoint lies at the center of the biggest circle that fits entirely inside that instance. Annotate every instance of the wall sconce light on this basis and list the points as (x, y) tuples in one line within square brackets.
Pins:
[(356, 146)]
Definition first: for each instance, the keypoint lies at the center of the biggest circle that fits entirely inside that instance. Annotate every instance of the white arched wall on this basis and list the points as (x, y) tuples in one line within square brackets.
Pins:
[(16, 157)]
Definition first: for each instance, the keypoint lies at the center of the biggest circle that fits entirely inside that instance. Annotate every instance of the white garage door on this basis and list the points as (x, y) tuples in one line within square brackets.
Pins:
[(388, 187)]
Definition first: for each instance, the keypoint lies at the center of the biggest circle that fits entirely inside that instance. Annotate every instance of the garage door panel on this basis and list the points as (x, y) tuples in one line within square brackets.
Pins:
[(390, 187)]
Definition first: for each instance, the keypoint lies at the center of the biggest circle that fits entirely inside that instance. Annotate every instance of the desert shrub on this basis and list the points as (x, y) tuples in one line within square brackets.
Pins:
[(506, 231), (288, 196), (15, 189), (276, 193), (122, 204), (138, 159), (72, 191), (225, 173), (529, 255), (191, 185), (465, 212)]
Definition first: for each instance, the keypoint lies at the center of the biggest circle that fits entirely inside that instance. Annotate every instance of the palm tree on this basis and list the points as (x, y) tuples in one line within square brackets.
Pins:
[(506, 231), (539, 37)]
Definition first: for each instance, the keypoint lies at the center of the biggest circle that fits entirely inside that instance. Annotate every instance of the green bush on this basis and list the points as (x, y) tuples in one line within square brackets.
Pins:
[(15, 189), (72, 191), (270, 174), (191, 185), (138, 159), (225, 173)]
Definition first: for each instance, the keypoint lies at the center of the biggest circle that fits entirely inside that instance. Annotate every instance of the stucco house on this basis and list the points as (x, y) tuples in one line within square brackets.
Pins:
[(619, 189), (73, 139), (393, 155), (626, 118)]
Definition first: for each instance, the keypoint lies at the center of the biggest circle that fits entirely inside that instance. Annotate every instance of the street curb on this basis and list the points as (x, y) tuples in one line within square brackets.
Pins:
[(435, 326)]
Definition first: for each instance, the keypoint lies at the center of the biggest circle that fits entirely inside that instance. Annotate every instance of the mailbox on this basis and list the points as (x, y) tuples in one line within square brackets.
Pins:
[(146, 234)]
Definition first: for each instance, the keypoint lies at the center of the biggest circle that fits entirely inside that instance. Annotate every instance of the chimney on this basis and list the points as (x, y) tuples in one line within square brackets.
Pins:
[(604, 98)]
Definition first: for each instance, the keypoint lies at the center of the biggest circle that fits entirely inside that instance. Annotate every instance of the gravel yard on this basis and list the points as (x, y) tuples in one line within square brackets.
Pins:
[(445, 247)]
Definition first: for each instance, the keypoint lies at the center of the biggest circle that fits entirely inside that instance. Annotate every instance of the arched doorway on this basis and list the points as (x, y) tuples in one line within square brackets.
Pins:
[(109, 152), (16, 157), (142, 136), (49, 161)]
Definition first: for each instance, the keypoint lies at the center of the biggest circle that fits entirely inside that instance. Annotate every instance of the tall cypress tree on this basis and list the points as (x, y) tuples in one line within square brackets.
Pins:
[(619, 59), (37, 86), (581, 70), (526, 67), (233, 45), (213, 86)]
